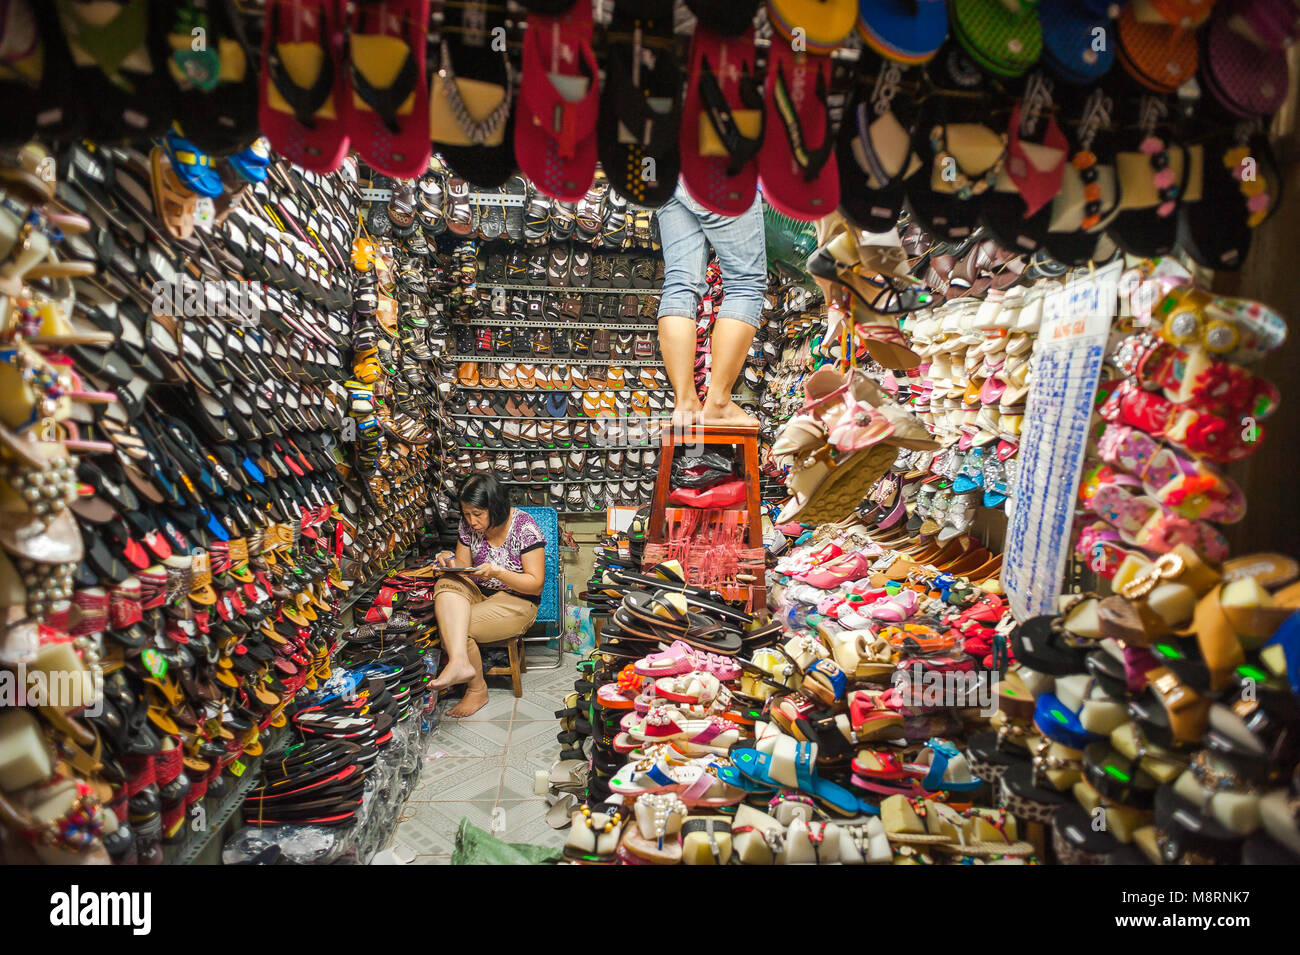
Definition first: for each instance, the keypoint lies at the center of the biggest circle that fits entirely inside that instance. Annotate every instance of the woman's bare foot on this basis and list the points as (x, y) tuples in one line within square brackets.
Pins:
[(454, 673), (685, 414), (473, 701), (729, 415)]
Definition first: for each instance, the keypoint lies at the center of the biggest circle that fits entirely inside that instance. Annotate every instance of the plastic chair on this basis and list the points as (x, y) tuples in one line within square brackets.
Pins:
[(550, 612)]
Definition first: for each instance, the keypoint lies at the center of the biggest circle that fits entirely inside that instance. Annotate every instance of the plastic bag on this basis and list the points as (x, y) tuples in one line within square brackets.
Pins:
[(476, 847)]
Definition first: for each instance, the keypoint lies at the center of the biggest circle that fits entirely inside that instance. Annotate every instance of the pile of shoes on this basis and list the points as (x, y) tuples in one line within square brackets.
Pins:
[(334, 790), (1165, 709)]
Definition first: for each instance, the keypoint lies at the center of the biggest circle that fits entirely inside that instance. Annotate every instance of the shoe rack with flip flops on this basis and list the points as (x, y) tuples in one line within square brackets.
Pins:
[(174, 462)]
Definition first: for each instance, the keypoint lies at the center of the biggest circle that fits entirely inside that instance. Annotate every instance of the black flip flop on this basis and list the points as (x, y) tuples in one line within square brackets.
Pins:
[(637, 134), (487, 167)]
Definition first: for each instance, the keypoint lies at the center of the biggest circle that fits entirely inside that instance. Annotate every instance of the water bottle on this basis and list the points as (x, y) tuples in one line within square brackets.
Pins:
[(572, 620)]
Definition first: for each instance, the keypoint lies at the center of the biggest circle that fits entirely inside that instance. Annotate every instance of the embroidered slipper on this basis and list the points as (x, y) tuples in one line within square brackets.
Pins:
[(722, 123), (470, 115), (387, 113), (873, 150), (1088, 200), (120, 52), (1153, 173), (218, 84), (303, 102), (559, 104), (797, 160), (964, 158), (1017, 210), (641, 104)]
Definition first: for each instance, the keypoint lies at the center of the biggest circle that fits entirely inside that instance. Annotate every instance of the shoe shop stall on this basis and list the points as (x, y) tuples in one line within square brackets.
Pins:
[(860, 426)]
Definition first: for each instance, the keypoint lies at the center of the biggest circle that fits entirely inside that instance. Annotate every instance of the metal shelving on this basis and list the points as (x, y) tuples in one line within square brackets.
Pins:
[(533, 360)]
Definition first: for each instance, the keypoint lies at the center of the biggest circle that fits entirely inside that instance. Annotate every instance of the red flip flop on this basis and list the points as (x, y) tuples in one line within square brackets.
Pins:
[(797, 161), (722, 123), (303, 98), (559, 103), (388, 110)]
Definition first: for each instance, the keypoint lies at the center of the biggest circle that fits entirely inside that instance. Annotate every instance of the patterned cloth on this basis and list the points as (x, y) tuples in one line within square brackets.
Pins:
[(524, 535)]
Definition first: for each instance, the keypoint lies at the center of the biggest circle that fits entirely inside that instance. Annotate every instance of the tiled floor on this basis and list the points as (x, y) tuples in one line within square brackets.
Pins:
[(482, 768)]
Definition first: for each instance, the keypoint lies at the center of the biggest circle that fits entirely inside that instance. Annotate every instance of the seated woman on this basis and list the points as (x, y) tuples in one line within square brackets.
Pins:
[(495, 601)]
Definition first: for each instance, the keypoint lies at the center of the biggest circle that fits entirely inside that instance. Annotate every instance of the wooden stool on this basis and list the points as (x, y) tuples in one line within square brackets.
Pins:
[(746, 439), (518, 665)]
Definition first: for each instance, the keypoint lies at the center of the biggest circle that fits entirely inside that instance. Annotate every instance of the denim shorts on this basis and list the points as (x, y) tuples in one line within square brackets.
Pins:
[(686, 230)]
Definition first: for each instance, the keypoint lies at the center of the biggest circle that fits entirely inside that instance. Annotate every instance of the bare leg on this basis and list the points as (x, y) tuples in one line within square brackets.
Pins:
[(677, 343), (452, 613), (731, 341), (476, 693)]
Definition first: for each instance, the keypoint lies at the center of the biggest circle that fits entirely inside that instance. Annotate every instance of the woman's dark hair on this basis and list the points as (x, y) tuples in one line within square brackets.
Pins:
[(482, 490)]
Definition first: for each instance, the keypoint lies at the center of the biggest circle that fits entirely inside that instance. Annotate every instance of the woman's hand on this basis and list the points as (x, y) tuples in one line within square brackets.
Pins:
[(488, 571), (445, 559)]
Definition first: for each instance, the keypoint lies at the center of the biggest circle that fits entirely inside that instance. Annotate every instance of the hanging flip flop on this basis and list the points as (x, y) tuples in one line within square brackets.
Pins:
[(1160, 56), (1078, 45), (218, 82), (120, 52), (1017, 210), (963, 156), (874, 146), (303, 104), (1152, 170), (559, 104), (640, 106), (1002, 36), (1216, 231), (797, 160), (388, 111), (906, 31), (22, 69), (1089, 197), (470, 99), (728, 17), (1246, 76), (816, 26), (722, 123)]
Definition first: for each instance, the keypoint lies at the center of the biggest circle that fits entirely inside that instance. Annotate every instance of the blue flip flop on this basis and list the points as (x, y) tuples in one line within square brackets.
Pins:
[(193, 167), (250, 164)]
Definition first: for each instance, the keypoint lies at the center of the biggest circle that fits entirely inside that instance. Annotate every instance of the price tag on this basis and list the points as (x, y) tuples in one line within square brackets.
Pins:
[(237, 768)]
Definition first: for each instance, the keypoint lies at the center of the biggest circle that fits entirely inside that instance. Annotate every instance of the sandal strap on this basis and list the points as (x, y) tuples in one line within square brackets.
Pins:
[(475, 131), (740, 148), (810, 160), (305, 101)]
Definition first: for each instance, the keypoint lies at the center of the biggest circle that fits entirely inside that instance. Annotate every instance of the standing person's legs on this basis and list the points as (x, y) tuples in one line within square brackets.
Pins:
[(685, 260), (742, 256)]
